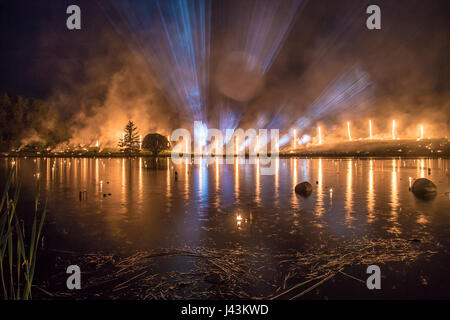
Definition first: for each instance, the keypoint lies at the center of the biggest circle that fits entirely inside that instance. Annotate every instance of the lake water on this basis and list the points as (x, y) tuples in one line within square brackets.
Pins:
[(232, 206)]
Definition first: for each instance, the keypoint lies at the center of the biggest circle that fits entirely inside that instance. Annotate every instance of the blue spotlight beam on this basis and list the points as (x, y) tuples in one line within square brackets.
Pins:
[(257, 30), (173, 37), (348, 90), (344, 92)]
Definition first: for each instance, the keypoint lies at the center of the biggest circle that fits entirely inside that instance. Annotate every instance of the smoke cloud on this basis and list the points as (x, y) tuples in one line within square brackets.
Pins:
[(314, 63)]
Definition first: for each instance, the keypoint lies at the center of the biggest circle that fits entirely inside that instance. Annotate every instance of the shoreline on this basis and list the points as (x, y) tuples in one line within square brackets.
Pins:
[(428, 148), (281, 155)]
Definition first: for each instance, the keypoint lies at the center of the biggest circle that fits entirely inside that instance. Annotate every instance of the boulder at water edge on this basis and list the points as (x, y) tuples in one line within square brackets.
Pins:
[(304, 189), (424, 188)]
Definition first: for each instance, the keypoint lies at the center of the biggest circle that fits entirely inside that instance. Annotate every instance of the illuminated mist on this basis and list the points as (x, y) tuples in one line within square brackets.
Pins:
[(292, 65)]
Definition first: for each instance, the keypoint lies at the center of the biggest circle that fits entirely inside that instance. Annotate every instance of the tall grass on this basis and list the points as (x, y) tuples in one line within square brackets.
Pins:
[(17, 260)]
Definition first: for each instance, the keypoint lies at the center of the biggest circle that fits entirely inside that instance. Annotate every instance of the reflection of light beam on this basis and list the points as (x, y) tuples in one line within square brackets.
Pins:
[(236, 180), (217, 174), (320, 205), (294, 180), (277, 178), (349, 191), (371, 194), (258, 191), (422, 168), (394, 198)]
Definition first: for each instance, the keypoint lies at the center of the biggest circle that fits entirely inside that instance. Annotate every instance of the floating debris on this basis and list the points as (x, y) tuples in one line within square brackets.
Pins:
[(207, 273)]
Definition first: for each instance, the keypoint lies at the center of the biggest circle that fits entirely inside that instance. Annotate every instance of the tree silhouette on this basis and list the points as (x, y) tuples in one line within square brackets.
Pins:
[(130, 141), (155, 143)]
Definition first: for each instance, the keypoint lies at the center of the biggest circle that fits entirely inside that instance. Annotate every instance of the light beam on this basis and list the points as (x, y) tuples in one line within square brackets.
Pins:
[(348, 131), (320, 135), (393, 129)]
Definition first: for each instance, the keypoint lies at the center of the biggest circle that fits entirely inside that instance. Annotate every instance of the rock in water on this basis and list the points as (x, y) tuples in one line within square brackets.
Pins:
[(304, 189), (424, 188)]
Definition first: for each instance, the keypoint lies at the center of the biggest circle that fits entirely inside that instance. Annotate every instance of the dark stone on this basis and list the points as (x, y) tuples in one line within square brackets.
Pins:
[(304, 189), (424, 188)]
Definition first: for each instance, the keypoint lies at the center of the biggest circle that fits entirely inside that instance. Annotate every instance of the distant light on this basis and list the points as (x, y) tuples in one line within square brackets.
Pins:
[(305, 139), (239, 219)]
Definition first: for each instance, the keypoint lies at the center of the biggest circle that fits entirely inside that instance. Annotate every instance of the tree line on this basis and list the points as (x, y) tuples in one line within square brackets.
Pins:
[(31, 120), (34, 125)]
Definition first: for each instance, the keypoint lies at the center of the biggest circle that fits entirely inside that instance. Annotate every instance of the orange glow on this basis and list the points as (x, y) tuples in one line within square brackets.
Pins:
[(295, 139), (320, 135), (239, 220), (370, 129)]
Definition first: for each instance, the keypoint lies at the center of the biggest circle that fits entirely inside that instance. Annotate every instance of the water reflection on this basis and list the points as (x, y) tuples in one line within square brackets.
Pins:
[(371, 194), (236, 181), (394, 199), (349, 192), (348, 196), (294, 180), (141, 182), (320, 195), (277, 179), (258, 183)]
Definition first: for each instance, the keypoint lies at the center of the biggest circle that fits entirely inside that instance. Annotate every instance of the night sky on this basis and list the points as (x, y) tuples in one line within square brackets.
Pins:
[(406, 61)]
